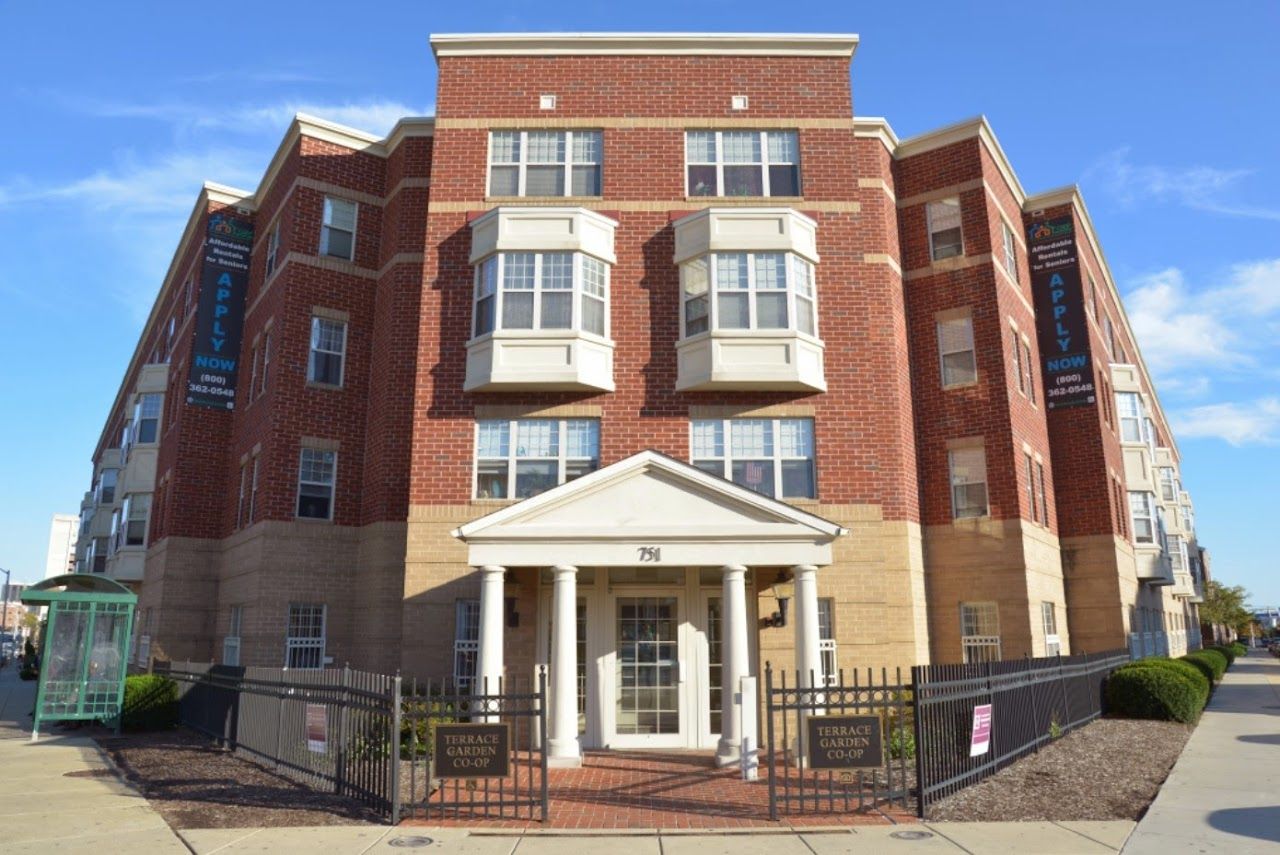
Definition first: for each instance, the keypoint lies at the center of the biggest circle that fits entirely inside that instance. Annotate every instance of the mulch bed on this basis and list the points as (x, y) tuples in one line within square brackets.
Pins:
[(1109, 769), (195, 784)]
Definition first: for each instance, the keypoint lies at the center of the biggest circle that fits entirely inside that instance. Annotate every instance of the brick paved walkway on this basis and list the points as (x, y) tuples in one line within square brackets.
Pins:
[(666, 790)]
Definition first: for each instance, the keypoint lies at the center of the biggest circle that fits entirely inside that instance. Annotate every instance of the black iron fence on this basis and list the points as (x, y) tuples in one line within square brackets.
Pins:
[(333, 730), (795, 785), (1032, 701), (362, 735), (519, 793)]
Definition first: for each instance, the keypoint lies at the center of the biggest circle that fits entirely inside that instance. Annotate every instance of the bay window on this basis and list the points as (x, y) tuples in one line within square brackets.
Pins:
[(771, 456), (524, 457), (748, 291), (146, 418), (1129, 407), (536, 163), (1143, 515), (742, 163), (541, 291)]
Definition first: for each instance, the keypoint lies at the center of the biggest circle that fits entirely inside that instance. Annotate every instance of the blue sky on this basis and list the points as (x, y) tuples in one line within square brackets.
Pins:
[(114, 114)]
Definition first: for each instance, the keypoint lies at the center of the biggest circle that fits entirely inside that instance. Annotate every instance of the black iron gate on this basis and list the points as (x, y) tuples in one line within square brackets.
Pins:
[(796, 788), (521, 794)]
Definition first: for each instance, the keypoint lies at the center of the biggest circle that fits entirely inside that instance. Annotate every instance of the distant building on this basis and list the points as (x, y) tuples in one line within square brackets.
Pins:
[(63, 533), (1268, 618)]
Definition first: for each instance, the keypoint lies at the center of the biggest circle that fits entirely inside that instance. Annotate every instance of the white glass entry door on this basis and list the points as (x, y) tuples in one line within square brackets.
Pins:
[(650, 670)]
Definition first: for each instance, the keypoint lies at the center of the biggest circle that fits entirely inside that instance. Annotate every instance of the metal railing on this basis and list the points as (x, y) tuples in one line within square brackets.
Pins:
[(1032, 702), (794, 788)]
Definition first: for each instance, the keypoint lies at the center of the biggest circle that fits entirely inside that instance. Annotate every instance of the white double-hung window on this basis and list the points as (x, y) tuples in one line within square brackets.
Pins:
[(748, 291), (146, 417), (338, 231), (771, 456), (1049, 618), (742, 163), (536, 163), (524, 457), (1142, 512), (1129, 408), (955, 349), (968, 482), (328, 351), (542, 291), (317, 475), (946, 237)]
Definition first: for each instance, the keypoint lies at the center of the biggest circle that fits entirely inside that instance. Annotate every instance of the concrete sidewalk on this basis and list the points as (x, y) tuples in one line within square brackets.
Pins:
[(61, 794), (941, 838), (1223, 794)]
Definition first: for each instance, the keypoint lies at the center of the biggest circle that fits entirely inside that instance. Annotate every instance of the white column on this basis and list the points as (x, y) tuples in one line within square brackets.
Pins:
[(734, 663), (808, 656), (492, 606), (562, 743)]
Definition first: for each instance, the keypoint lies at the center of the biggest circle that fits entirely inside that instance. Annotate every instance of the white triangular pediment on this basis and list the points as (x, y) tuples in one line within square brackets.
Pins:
[(648, 508)]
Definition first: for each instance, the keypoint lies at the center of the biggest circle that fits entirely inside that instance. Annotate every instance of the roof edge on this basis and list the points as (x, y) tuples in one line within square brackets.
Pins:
[(644, 43)]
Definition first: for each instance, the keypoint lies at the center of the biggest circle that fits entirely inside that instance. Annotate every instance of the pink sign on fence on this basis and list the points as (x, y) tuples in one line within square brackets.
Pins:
[(980, 742)]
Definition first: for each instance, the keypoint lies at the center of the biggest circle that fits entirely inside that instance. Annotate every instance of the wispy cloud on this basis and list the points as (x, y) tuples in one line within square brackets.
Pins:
[(1253, 423), (137, 185), (1203, 188), (376, 116), (265, 75)]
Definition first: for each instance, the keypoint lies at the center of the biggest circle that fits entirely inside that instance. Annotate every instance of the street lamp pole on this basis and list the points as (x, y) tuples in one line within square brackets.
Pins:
[(4, 621)]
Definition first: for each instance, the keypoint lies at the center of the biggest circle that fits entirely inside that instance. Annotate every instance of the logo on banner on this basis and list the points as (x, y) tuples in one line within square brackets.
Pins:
[(980, 741)]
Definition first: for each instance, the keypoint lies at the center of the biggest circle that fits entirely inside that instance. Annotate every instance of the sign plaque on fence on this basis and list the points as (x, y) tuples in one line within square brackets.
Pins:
[(845, 742), (317, 728), (472, 750), (980, 741)]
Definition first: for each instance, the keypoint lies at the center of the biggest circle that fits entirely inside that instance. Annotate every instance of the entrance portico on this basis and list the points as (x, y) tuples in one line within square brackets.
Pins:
[(647, 626)]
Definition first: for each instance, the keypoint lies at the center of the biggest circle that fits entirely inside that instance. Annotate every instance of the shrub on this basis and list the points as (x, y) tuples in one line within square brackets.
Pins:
[(1226, 651), (1213, 658), (1144, 691), (1193, 672), (150, 703), (1200, 664), (1239, 649)]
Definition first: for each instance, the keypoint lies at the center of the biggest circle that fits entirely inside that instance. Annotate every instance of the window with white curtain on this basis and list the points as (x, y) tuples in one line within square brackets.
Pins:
[(945, 235), (536, 163), (1049, 618), (955, 349), (968, 468), (748, 291), (742, 163), (338, 232), (541, 291), (771, 456), (524, 457)]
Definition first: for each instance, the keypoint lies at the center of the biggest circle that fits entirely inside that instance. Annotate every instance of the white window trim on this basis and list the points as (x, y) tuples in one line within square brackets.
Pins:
[(231, 641), (326, 227), (764, 164), (943, 353), (240, 496), (577, 290), (316, 320), (292, 642), (1136, 418), (928, 215), (266, 363), (273, 249), (333, 487), (789, 288), (976, 642), (727, 460), (523, 163), (986, 485), (1150, 516), (253, 492), (562, 458), (1010, 250)]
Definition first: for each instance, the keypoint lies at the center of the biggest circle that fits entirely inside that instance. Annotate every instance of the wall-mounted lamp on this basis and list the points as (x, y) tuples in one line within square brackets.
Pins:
[(781, 591)]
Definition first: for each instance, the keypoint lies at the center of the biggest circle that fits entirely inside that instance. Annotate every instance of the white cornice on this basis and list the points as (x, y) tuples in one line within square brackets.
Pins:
[(963, 130), (1071, 195), (875, 127), (597, 44)]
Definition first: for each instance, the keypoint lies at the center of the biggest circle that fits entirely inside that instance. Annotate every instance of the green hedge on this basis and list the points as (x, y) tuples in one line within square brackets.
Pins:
[(1146, 691), (150, 703), (1210, 657), (1240, 649), (1193, 672), (1227, 652)]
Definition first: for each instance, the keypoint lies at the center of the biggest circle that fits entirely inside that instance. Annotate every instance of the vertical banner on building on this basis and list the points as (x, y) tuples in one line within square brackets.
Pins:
[(224, 277), (1061, 323)]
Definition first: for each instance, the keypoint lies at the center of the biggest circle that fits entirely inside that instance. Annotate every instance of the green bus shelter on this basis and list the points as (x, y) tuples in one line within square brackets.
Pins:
[(84, 650)]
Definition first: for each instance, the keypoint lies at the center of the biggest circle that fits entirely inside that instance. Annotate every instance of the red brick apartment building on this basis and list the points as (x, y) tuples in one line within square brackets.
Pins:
[(651, 335)]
